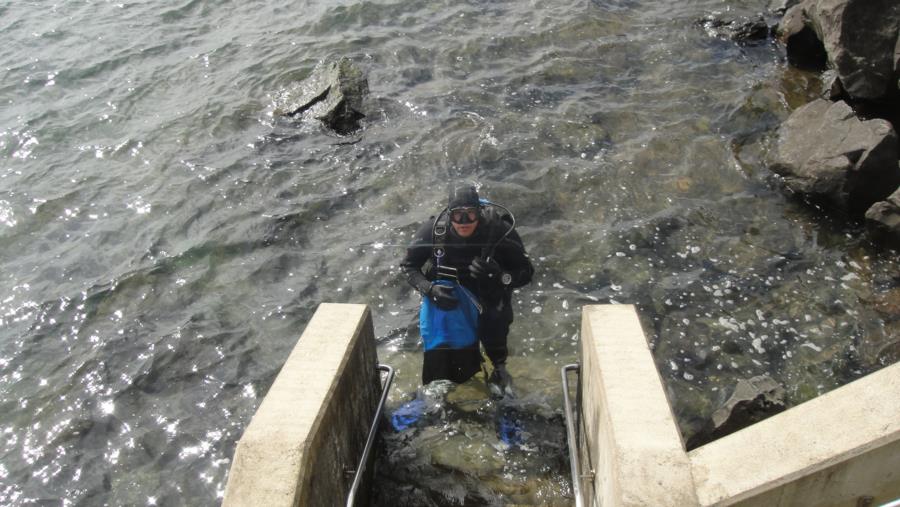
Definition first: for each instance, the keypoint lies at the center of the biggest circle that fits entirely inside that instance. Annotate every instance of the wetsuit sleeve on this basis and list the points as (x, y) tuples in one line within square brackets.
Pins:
[(417, 254), (514, 260)]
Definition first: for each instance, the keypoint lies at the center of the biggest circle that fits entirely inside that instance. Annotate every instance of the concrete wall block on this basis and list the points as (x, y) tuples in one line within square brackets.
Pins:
[(631, 439), (312, 425)]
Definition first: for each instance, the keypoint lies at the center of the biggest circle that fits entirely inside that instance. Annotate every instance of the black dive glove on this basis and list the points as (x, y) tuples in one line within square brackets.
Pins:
[(485, 270), (443, 296)]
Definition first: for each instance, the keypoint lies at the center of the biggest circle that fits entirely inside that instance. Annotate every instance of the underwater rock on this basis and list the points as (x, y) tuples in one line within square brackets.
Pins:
[(333, 94), (741, 29), (752, 400), (471, 450), (825, 153), (883, 219), (866, 65)]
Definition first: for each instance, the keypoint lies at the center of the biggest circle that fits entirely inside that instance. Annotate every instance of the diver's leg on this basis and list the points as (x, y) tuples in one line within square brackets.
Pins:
[(493, 330), (454, 364)]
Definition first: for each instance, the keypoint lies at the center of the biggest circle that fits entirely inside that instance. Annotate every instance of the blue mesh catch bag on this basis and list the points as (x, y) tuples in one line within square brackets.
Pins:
[(456, 328)]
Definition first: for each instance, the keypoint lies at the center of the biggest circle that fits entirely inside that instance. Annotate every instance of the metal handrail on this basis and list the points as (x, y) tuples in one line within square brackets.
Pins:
[(373, 430), (895, 503), (572, 435)]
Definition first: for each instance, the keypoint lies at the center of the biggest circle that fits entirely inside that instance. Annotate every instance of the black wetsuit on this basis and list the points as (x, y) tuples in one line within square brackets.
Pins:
[(459, 365)]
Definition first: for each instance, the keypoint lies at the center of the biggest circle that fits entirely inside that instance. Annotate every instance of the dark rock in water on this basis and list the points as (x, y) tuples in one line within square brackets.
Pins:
[(883, 219), (859, 38), (780, 6), (741, 29), (826, 154), (753, 400), (334, 94)]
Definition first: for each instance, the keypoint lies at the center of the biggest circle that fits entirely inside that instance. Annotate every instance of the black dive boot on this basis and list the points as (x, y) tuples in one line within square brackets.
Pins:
[(500, 383)]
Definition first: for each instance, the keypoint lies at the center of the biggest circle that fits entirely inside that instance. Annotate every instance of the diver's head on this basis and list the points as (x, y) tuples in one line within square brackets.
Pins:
[(464, 209)]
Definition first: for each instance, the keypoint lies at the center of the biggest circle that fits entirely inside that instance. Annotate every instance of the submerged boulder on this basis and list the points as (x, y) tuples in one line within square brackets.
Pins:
[(826, 154), (859, 39), (883, 219), (334, 94)]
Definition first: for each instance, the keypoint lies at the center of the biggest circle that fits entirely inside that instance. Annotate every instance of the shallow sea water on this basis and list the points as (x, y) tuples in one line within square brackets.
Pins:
[(164, 238)]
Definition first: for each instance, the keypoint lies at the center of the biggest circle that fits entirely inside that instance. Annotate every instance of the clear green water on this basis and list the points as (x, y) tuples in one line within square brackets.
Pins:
[(164, 238)]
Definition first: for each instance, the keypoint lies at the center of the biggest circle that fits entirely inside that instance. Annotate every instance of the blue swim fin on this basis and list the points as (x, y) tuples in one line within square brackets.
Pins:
[(408, 414), (509, 426)]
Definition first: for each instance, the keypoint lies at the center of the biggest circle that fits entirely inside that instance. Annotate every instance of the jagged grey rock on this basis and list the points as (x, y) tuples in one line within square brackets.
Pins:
[(859, 38), (883, 219), (825, 153), (334, 94), (752, 400)]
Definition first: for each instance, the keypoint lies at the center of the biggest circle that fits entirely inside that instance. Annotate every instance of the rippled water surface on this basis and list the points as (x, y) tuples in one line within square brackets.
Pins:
[(164, 238)]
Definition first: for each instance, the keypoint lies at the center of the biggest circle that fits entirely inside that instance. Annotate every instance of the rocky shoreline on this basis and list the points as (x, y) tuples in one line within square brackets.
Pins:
[(837, 150), (841, 151)]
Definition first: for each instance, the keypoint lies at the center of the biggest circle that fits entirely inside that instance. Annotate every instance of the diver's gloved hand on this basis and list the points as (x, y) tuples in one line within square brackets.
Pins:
[(485, 270), (443, 296)]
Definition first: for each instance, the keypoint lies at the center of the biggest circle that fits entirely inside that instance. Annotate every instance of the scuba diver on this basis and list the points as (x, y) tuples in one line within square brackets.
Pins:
[(466, 262)]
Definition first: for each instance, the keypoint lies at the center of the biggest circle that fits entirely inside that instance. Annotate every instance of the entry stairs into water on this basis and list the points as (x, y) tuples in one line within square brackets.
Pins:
[(310, 440)]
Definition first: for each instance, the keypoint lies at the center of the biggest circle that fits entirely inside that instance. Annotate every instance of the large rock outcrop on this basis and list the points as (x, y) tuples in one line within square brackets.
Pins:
[(859, 38), (826, 154), (883, 219), (334, 94)]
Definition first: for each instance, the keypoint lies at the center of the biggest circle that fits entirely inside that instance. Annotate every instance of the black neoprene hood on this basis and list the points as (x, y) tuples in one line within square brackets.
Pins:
[(463, 196)]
